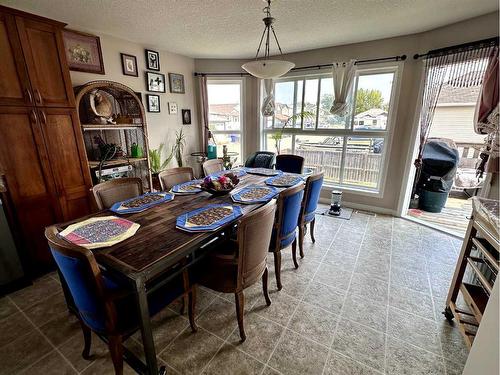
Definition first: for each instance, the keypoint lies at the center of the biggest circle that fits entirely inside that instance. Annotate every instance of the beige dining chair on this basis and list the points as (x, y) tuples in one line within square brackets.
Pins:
[(212, 166), (119, 189), (174, 176)]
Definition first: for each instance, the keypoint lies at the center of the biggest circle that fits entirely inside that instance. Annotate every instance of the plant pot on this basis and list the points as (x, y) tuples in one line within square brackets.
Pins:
[(156, 181), (432, 201)]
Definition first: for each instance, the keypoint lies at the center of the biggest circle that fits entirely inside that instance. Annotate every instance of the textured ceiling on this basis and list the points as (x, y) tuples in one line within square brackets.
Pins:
[(232, 28)]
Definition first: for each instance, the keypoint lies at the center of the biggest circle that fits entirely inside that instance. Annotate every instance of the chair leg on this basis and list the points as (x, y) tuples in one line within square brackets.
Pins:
[(240, 308), (191, 309), (87, 339), (264, 287), (277, 268), (294, 253), (116, 350), (184, 303), (312, 230), (302, 229)]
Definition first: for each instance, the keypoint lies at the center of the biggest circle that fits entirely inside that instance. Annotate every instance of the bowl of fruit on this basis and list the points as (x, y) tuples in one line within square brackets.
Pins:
[(220, 185)]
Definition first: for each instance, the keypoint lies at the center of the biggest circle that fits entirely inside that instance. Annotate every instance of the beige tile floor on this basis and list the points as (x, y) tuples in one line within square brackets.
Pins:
[(366, 299)]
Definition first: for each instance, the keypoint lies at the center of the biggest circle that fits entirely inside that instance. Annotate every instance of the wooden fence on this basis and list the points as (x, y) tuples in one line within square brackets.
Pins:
[(360, 168)]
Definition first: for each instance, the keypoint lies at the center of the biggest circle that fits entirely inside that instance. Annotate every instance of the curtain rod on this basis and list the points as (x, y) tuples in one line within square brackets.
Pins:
[(459, 48), (310, 67)]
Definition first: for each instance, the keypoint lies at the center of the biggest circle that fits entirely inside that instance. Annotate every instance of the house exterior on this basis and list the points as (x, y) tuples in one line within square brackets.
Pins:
[(374, 118), (224, 116)]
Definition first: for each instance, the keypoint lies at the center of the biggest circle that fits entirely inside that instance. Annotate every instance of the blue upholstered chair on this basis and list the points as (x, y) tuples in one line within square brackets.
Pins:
[(285, 224), (309, 206), (289, 163), (261, 159), (104, 306)]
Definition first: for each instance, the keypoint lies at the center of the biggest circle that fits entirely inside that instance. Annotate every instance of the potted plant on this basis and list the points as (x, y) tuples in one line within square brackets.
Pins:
[(156, 165), (180, 143), (278, 136)]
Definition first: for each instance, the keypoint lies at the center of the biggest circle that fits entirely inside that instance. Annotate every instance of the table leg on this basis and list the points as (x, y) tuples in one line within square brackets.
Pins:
[(145, 324)]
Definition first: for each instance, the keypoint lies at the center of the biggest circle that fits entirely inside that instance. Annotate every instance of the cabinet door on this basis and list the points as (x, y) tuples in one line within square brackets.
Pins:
[(43, 51), (28, 180), (14, 82), (66, 155)]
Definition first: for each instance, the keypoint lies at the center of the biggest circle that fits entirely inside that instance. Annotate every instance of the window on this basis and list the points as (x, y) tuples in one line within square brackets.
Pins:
[(349, 149), (225, 115)]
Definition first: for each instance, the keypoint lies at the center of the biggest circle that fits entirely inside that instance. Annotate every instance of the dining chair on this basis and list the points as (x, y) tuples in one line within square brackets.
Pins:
[(104, 305), (236, 265), (174, 176), (212, 166), (285, 224), (289, 163), (109, 192), (309, 205), (261, 159)]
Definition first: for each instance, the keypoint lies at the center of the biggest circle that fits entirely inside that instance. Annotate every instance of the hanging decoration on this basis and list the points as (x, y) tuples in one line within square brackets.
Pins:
[(268, 105)]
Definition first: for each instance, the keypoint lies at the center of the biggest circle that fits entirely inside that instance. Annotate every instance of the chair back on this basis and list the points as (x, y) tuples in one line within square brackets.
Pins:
[(254, 236), (212, 166), (119, 189), (261, 159), (174, 176), (84, 280), (288, 209), (312, 192), (289, 163)]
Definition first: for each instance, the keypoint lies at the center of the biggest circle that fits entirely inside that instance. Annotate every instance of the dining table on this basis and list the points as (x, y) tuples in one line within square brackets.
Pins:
[(145, 261)]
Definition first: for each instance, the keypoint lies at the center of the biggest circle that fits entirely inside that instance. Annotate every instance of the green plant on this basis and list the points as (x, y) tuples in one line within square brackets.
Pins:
[(180, 143), (278, 136), (155, 156)]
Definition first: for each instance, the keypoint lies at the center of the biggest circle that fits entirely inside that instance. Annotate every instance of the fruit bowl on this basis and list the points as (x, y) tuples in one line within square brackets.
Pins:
[(220, 185)]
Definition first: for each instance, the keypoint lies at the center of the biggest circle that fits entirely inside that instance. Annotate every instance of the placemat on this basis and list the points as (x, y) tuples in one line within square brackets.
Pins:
[(284, 180), (254, 194), (263, 171), (208, 218), (190, 187), (141, 203)]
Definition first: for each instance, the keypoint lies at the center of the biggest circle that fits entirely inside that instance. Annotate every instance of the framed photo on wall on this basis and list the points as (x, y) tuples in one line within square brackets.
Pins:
[(129, 65), (176, 82), (83, 52), (186, 117), (155, 82), (152, 60), (153, 103)]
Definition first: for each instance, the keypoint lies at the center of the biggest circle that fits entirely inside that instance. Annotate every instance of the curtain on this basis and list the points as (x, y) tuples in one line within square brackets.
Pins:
[(459, 69), (202, 81), (343, 77), (267, 108)]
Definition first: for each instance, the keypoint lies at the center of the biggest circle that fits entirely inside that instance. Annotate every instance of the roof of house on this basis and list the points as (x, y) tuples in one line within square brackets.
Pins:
[(372, 112), (462, 89), (225, 109)]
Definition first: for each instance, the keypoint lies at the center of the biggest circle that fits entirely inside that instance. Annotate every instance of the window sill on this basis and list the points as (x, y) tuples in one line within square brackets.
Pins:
[(353, 190)]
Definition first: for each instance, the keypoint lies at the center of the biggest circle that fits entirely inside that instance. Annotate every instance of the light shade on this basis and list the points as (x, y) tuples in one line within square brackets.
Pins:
[(268, 68)]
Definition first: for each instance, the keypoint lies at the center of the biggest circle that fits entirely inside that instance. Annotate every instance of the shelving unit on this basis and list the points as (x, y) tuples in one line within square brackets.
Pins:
[(129, 130), (477, 269)]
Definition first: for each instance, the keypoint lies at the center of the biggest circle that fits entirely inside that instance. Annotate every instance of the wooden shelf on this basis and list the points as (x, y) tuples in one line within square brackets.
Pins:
[(87, 127), (489, 252), (476, 298), (119, 161)]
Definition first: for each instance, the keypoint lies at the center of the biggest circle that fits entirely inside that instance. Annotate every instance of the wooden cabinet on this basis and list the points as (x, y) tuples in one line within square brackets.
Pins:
[(41, 154)]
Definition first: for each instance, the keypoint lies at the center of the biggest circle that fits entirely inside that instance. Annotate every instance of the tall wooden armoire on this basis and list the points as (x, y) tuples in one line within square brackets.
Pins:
[(41, 148)]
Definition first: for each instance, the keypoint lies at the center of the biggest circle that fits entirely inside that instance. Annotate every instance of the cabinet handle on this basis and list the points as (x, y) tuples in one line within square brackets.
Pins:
[(33, 117), (38, 96), (44, 117), (30, 97)]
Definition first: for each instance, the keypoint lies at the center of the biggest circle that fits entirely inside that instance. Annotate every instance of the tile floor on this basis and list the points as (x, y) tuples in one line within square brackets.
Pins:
[(366, 299)]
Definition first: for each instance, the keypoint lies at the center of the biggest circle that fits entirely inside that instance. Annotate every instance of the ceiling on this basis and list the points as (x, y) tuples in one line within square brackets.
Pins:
[(232, 28)]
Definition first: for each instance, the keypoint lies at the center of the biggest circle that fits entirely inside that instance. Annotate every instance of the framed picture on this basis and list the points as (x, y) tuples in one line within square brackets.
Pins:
[(83, 52), (152, 60), (186, 117), (172, 108), (129, 65), (153, 103), (176, 83), (155, 82)]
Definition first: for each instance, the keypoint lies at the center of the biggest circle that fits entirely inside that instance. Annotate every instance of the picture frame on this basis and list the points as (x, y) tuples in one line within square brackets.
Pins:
[(186, 117), (83, 52), (172, 108), (176, 82), (152, 60), (153, 102), (155, 82), (129, 65)]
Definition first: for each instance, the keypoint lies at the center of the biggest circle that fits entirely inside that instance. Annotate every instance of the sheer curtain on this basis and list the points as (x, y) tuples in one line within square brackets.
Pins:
[(203, 98), (343, 77)]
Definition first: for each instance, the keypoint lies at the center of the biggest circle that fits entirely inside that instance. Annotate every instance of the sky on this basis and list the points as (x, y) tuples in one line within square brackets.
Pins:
[(223, 94)]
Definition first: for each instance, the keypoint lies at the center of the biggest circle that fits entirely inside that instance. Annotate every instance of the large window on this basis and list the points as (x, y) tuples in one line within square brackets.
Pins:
[(225, 115), (350, 149)]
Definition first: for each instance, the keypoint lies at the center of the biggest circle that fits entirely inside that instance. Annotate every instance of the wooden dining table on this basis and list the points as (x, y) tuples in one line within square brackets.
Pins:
[(145, 260)]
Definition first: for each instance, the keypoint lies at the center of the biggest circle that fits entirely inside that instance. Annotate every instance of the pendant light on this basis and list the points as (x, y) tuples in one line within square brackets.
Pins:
[(266, 68)]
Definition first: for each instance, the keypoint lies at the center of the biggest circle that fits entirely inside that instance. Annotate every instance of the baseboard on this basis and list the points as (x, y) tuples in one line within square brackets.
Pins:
[(363, 207)]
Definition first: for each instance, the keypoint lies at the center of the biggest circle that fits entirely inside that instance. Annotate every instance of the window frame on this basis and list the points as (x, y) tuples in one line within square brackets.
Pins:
[(387, 134), (231, 81)]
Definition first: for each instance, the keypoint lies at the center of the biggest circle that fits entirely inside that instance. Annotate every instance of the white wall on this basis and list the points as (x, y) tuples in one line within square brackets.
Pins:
[(455, 122), (161, 126)]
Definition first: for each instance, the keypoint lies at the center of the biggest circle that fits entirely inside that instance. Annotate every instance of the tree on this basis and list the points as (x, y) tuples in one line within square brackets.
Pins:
[(366, 99), (326, 102)]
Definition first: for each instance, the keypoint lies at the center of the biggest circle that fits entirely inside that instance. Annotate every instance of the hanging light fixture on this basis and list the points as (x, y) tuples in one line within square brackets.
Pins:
[(265, 68)]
